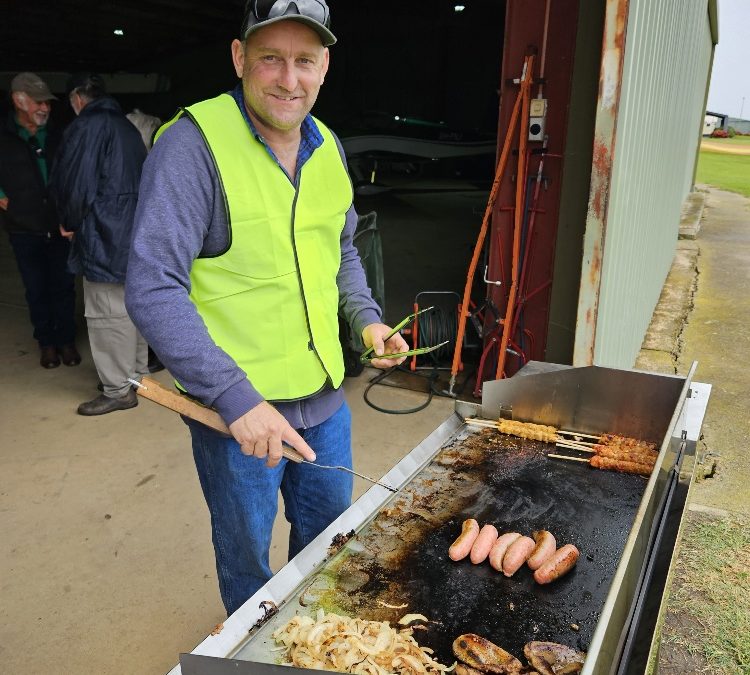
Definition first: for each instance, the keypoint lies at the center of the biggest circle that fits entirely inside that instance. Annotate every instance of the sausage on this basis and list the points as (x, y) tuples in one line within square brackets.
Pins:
[(498, 550), (558, 564), (460, 548), (517, 554), (483, 543), (545, 547)]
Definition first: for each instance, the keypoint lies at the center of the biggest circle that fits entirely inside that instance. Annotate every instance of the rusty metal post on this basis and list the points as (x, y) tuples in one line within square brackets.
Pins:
[(605, 137)]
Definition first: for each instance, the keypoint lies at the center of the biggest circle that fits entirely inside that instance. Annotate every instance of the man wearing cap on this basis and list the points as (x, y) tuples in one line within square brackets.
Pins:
[(27, 213), (241, 258), (95, 185)]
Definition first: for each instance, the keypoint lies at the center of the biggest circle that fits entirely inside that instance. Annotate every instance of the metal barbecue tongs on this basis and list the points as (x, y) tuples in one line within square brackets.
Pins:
[(156, 392), (368, 355)]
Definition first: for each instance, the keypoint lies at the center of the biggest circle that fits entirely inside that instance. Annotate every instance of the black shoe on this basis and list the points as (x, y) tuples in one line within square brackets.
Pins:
[(154, 365), (70, 355), (49, 358), (102, 404)]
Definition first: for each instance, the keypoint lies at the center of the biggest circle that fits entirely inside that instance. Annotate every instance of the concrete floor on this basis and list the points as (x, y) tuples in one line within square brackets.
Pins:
[(107, 566)]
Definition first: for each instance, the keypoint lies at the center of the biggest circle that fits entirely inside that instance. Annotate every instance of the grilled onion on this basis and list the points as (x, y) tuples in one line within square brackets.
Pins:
[(347, 645)]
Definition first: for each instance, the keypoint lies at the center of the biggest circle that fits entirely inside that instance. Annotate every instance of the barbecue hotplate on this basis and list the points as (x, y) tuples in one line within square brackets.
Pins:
[(398, 562), (387, 555)]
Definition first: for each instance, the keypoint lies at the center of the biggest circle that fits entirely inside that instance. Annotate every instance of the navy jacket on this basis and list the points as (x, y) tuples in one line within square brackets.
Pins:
[(94, 181), (30, 209)]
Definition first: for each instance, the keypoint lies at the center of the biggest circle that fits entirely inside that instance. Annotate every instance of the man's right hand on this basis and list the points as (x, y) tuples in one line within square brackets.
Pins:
[(4, 203), (260, 433)]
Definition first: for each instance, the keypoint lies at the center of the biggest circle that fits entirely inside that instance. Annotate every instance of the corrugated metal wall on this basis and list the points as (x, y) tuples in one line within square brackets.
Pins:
[(667, 57)]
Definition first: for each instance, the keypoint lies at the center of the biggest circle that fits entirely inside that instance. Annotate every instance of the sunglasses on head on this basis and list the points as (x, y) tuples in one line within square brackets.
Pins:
[(261, 10)]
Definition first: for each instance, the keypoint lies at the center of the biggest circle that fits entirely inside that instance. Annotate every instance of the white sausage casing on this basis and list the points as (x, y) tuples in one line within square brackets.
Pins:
[(498, 550), (483, 543), (517, 554)]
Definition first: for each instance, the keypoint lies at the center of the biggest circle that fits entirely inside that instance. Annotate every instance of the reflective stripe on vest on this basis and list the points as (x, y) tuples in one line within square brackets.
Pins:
[(271, 301)]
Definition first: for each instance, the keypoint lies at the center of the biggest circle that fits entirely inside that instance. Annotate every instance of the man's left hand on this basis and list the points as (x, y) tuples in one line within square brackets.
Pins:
[(66, 233), (373, 335)]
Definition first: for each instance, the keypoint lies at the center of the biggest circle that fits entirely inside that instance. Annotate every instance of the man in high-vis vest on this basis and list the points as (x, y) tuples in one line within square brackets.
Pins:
[(241, 259)]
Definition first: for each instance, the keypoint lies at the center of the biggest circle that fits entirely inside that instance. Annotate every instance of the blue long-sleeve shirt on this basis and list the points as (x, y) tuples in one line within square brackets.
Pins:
[(180, 216)]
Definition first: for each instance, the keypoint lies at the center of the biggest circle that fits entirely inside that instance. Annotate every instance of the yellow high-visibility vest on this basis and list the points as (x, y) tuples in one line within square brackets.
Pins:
[(270, 300)]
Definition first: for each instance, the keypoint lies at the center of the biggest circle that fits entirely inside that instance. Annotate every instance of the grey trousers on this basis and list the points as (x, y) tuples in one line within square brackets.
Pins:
[(118, 350)]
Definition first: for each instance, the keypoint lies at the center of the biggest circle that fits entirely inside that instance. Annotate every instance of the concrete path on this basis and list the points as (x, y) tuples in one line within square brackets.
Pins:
[(718, 146), (703, 315), (717, 335)]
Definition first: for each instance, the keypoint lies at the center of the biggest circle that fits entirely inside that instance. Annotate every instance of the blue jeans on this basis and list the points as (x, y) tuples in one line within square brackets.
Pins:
[(50, 288), (242, 497)]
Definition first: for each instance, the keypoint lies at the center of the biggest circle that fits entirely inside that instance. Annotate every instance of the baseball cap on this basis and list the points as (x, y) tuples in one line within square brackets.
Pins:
[(32, 85), (313, 13)]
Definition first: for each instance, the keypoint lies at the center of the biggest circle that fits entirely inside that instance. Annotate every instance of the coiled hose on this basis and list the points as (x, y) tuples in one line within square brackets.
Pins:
[(432, 327)]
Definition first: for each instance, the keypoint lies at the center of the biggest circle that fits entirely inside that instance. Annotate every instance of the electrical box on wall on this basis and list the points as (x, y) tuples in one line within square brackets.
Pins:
[(537, 117)]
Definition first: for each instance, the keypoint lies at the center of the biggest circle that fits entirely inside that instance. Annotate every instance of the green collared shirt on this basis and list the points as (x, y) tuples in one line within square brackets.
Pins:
[(41, 141)]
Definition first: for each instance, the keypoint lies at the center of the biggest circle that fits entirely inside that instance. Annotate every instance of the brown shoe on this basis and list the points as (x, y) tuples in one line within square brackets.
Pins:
[(102, 404), (49, 358), (70, 355)]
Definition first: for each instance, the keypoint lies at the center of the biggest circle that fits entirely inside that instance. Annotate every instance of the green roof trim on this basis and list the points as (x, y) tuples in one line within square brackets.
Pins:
[(713, 20)]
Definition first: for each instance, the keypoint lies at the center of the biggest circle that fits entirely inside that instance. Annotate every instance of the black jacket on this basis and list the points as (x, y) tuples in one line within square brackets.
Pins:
[(30, 209), (94, 181)]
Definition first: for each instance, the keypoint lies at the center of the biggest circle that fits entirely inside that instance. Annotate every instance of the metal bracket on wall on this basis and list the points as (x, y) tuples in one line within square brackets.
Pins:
[(490, 281)]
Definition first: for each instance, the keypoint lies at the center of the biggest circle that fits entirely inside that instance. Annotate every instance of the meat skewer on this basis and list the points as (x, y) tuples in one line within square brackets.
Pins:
[(624, 466), (608, 439), (611, 464), (614, 439), (628, 455), (613, 446), (529, 430), (633, 446), (534, 432)]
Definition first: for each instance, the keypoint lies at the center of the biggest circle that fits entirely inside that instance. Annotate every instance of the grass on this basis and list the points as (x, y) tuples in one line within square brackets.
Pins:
[(712, 595), (726, 172)]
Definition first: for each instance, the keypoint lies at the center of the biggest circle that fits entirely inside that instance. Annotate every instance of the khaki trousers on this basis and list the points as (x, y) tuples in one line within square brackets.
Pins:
[(118, 350)]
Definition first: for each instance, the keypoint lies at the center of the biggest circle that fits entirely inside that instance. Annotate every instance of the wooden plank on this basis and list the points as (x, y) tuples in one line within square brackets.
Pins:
[(184, 405), (179, 403)]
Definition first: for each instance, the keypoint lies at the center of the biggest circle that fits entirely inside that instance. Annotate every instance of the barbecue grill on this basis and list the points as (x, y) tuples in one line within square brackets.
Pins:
[(387, 554)]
